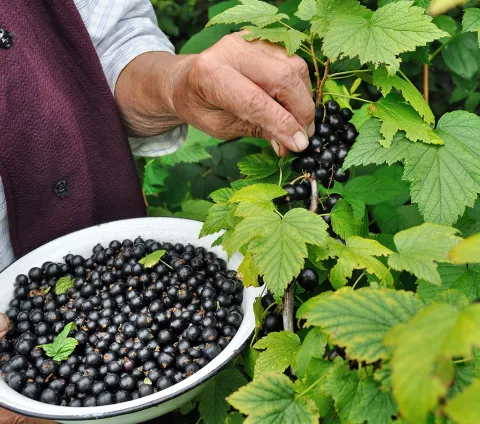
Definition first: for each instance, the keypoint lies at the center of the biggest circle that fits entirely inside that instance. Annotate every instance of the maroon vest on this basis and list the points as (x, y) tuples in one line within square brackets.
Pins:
[(65, 161)]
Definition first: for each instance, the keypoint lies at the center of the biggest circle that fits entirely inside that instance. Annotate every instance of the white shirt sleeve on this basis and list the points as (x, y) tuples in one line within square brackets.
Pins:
[(121, 30)]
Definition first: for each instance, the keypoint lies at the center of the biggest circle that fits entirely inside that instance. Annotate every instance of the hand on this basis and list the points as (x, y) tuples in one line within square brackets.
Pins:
[(4, 324), (7, 417), (235, 88)]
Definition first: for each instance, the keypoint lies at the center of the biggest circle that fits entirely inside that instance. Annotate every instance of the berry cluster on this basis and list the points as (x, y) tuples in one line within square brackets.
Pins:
[(139, 330)]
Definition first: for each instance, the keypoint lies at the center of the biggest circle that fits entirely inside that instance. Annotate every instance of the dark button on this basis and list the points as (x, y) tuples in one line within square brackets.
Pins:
[(61, 188), (5, 39)]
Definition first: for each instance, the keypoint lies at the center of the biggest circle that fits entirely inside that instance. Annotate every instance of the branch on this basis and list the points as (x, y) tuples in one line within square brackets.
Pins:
[(322, 83), (288, 307), (313, 195), (425, 82), (317, 74)]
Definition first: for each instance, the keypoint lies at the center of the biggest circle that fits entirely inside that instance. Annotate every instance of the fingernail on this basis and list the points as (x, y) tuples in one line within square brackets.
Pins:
[(300, 140), (311, 129), (275, 146)]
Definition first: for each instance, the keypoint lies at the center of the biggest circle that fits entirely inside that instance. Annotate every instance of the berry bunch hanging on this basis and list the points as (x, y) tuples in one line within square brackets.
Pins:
[(118, 325)]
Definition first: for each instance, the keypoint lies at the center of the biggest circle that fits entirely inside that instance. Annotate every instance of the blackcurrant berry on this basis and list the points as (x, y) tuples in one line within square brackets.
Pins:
[(308, 279)]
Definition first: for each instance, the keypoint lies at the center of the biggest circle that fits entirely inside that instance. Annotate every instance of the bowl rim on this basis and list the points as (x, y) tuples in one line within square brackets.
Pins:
[(91, 414)]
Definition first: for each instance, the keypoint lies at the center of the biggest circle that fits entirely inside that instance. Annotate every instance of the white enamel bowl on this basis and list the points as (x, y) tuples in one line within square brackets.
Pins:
[(174, 230)]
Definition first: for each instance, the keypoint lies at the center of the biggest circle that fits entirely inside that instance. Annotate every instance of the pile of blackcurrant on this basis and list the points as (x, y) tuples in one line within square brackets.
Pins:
[(139, 330), (323, 159)]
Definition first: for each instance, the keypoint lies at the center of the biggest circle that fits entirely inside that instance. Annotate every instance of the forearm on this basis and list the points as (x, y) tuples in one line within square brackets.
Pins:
[(145, 92)]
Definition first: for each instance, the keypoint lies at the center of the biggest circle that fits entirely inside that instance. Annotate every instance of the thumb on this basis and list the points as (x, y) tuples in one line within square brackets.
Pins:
[(4, 324)]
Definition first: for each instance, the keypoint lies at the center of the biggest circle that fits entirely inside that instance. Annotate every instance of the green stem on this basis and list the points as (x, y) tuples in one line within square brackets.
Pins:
[(347, 97), (278, 213), (386, 272), (305, 50), (460, 361), (149, 163), (358, 279), (311, 386), (356, 71), (280, 176), (432, 56)]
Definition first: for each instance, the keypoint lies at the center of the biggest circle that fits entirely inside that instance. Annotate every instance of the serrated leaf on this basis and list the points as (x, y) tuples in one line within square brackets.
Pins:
[(248, 272), (213, 407), (290, 38), (360, 319), (357, 253), (471, 21), (343, 222), (452, 297), (280, 248), (234, 418), (306, 10), (342, 384), (418, 249), (392, 29), (392, 219), (256, 199), (258, 166), (329, 10), (62, 346), (279, 354), (271, 399), (463, 408), (462, 55), (467, 251), (250, 356), (195, 209), (431, 338), (219, 217), (64, 284), (396, 115), (256, 12), (463, 278), (222, 195), (368, 149), (375, 406), (152, 259), (386, 82), (313, 346)]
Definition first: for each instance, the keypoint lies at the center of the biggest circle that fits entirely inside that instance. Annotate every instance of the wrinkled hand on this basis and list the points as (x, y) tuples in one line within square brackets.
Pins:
[(235, 88), (4, 324)]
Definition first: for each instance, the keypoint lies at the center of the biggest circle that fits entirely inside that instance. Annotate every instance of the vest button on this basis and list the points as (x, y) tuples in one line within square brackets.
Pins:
[(61, 188), (5, 39)]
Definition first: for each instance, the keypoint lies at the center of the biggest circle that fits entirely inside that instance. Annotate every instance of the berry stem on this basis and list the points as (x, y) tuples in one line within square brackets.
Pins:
[(322, 83), (349, 73), (313, 195), (309, 53), (347, 97), (317, 75), (425, 82)]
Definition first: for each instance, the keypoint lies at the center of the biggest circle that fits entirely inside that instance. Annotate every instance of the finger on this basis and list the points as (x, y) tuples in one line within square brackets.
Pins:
[(234, 93), (4, 325), (280, 80)]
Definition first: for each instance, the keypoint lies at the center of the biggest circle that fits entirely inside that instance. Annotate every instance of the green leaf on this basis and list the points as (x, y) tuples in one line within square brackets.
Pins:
[(290, 38), (357, 253), (386, 83), (63, 284), (343, 385), (250, 356), (367, 148), (222, 195), (258, 166), (471, 21), (393, 219), (422, 348), (62, 346), (462, 55), (192, 150), (234, 418), (464, 408), (195, 209), (467, 251), (463, 278), (313, 346), (375, 406), (279, 354), (446, 23), (219, 217), (418, 249), (279, 249), (360, 319), (396, 115), (392, 29), (329, 10), (204, 39), (306, 10), (152, 259), (343, 222), (452, 297), (213, 407), (256, 199), (256, 12), (271, 399), (248, 272)]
